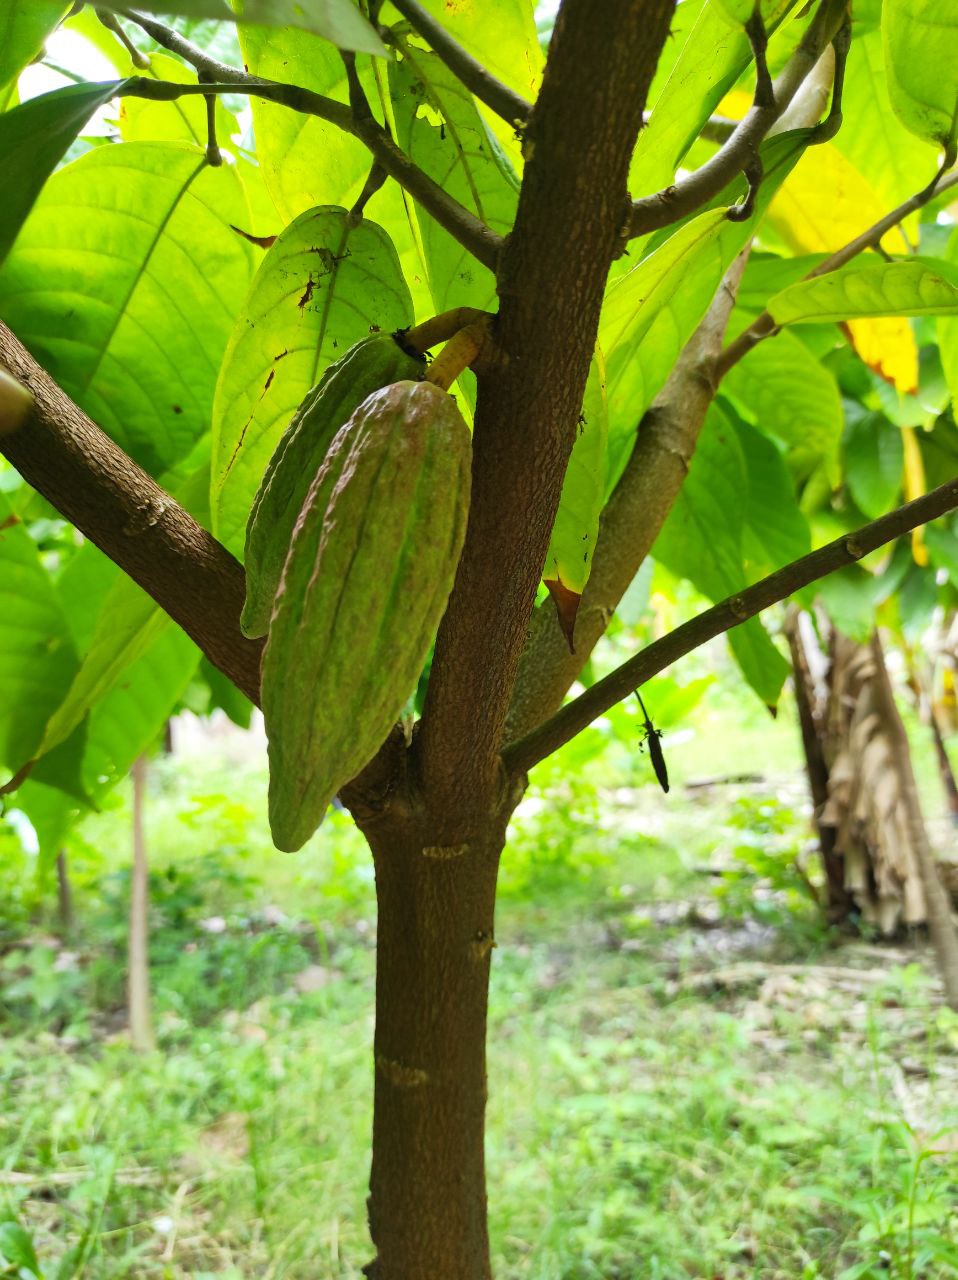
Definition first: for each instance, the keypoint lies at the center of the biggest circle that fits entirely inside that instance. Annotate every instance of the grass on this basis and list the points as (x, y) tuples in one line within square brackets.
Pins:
[(688, 1077)]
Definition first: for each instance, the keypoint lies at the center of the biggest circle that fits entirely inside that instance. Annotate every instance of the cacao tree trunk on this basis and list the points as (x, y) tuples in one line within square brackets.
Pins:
[(64, 896), (436, 899)]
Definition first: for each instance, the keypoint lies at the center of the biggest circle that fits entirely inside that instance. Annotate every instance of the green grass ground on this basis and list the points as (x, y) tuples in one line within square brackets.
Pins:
[(688, 1076)]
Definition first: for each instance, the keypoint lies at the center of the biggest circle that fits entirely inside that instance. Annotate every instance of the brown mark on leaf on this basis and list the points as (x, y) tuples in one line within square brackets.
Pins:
[(10, 521), (282, 355), (307, 293), (567, 606), (262, 242), (177, 408)]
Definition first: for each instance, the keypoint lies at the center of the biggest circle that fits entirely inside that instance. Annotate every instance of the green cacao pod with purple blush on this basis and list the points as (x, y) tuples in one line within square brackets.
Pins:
[(371, 363), (370, 567)]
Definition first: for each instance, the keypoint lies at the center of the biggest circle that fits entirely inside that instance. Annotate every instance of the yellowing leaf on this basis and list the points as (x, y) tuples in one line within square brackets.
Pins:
[(887, 345), (825, 202), (913, 486), (735, 105)]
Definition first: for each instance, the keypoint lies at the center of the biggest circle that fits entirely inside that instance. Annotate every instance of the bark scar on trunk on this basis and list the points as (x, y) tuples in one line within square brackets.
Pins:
[(399, 1074), (481, 946), (444, 852)]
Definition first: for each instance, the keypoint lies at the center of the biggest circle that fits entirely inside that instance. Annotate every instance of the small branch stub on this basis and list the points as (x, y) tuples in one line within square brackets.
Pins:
[(16, 401), (462, 351)]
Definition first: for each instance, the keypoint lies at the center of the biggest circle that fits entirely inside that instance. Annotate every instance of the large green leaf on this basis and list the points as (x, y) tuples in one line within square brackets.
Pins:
[(124, 284), (502, 38), (775, 530), (875, 141), (337, 20), (322, 286), (128, 623), (576, 527), (702, 540), (791, 396), (921, 57), (34, 138), (874, 458), (923, 287), (439, 127), (304, 161), (23, 29), (948, 332), (713, 57), (127, 721), (37, 658)]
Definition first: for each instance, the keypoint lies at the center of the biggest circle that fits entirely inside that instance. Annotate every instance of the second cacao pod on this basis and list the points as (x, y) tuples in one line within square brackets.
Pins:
[(371, 363), (369, 570)]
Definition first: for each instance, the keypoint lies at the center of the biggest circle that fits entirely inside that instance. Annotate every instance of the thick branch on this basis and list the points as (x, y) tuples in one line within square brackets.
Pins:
[(764, 326), (96, 486), (572, 206), (632, 518), (465, 227), (738, 153), (578, 714), (497, 96)]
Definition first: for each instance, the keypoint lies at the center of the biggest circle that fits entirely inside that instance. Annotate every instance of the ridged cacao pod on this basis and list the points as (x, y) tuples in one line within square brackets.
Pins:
[(365, 583), (371, 363)]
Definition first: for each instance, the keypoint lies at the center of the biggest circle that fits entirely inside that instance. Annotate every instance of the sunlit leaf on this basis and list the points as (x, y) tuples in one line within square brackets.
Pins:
[(702, 540), (914, 486), (37, 658), (180, 120), (124, 284), (921, 58), (23, 29), (440, 128), (322, 286), (34, 138), (569, 559), (921, 287), (337, 20)]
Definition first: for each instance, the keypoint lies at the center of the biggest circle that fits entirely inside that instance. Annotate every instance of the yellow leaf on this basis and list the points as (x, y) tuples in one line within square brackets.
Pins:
[(913, 486), (736, 104), (887, 345), (825, 202)]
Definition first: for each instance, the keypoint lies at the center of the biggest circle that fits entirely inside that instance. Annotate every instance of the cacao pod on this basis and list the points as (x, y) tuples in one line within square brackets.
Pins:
[(371, 363), (369, 570)]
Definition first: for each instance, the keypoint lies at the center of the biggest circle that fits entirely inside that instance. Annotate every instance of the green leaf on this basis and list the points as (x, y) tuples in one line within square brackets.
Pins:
[(921, 58), (502, 39), (304, 161), (712, 59), (322, 286), (942, 543), (874, 458), (878, 144), (948, 331), (52, 813), (37, 658), (440, 129), (702, 540), (790, 395), (16, 1249), (23, 29), (182, 119), (921, 287), (775, 530), (849, 600), (128, 720), (124, 284), (337, 20), (569, 559), (128, 623), (34, 138)]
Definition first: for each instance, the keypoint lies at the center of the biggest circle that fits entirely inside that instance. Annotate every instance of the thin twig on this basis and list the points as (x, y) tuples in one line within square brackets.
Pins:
[(498, 97), (462, 225), (624, 680), (764, 326), (691, 193), (214, 157)]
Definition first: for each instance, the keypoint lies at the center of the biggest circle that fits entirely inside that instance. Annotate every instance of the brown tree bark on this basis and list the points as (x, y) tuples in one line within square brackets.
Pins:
[(435, 887)]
